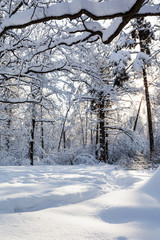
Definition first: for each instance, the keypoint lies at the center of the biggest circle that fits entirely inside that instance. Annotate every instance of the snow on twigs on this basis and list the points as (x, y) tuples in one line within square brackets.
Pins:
[(140, 61)]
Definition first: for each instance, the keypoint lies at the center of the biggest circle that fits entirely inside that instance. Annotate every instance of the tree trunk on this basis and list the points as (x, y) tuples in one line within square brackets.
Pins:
[(102, 141), (32, 134), (135, 124), (32, 141), (86, 130), (97, 138), (42, 134), (9, 113), (106, 144), (148, 105), (63, 128), (82, 130), (149, 114), (91, 130), (64, 139)]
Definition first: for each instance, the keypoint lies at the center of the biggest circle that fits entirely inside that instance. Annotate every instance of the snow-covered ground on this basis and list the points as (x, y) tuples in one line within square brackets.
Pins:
[(79, 203)]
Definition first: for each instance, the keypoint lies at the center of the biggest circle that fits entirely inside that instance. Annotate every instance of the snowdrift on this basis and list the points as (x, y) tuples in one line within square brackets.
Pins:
[(79, 202), (152, 186)]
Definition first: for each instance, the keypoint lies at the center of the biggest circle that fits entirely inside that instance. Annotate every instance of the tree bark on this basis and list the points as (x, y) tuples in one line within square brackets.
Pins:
[(106, 144), (135, 124), (64, 139), (86, 129), (9, 113), (97, 138), (149, 114), (102, 141), (63, 128), (32, 141), (32, 134), (148, 104), (91, 133), (42, 134)]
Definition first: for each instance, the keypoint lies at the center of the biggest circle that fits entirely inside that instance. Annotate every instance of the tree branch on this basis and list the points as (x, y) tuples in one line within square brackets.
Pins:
[(97, 11)]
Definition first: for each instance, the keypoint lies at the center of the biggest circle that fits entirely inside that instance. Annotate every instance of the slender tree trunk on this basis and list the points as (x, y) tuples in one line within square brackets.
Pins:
[(32, 134), (91, 130), (106, 146), (64, 139), (42, 133), (32, 141), (149, 114), (82, 130), (86, 130), (148, 105), (9, 113), (135, 124), (102, 142), (97, 139), (63, 128), (106, 143)]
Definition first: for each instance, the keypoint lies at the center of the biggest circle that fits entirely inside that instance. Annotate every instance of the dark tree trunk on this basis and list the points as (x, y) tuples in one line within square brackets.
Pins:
[(148, 104), (149, 114), (135, 124), (86, 130), (9, 113), (32, 134), (91, 130), (42, 134), (97, 138), (142, 31), (32, 141), (106, 144), (63, 129), (64, 139)]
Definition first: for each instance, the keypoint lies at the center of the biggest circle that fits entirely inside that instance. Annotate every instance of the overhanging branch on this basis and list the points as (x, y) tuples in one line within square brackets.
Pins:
[(97, 11)]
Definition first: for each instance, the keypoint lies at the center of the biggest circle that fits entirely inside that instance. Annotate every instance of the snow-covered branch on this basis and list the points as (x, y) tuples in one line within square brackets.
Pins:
[(124, 10), (19, 101)]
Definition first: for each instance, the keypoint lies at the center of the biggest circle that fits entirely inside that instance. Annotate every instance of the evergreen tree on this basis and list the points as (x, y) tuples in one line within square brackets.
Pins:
[(143, 34)]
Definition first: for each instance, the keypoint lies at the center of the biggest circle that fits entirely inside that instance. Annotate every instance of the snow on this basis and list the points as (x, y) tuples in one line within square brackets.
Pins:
[(58, 11), (140, 61), (150, 9), (119, 56), (150, 187), (70, 8), (108, 32), (93, 26), (79, 202), (96, 10)]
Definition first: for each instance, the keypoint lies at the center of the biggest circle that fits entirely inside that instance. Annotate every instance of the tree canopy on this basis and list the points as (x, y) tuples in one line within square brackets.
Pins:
[(20, 14)]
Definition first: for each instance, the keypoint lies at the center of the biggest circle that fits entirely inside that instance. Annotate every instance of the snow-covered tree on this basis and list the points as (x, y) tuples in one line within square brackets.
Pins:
[(35, 60), (143, 34)]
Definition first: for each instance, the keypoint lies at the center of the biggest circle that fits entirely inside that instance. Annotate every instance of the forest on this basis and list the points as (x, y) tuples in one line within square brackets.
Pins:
[(79, 119), (79, 82)]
